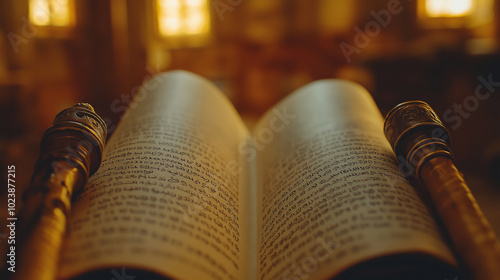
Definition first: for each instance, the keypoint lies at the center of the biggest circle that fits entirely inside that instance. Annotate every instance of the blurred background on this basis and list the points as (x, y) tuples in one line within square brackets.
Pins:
[(54, 53)]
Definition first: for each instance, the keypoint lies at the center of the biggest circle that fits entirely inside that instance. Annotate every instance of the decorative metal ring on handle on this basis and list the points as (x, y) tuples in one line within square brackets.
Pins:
[(416, 134)]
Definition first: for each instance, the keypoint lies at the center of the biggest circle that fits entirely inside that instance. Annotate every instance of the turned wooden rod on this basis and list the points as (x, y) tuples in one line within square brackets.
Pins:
[(70, 152), (469, 230), (422, 144)]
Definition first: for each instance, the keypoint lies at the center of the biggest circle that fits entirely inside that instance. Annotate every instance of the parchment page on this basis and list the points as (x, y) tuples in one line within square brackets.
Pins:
[(329, 191), (167, 197)]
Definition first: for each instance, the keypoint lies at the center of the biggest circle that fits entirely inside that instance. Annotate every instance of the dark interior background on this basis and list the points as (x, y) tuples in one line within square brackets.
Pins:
[(257, 52)]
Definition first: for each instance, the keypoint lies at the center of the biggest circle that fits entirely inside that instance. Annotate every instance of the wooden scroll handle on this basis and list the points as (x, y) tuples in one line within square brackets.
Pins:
[(70, 152), (422, 144)]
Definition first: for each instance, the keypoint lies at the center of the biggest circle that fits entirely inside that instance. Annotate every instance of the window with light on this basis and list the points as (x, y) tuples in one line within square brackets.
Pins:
[(449, 8), (455, 13), (51, 12), (183, 17)]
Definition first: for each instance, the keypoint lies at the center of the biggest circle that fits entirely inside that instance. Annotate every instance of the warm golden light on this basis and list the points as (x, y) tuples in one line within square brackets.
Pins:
[(60, 13), (50, 12), (448, 8), (183, 17), (39, 12)]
